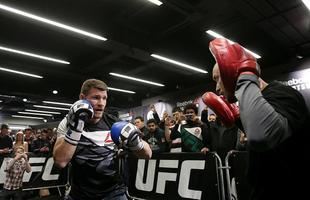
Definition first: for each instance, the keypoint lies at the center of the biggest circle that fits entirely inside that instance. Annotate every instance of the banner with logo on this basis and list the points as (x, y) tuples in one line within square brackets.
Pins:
[(174, 176), (43, 173), (300, 80)]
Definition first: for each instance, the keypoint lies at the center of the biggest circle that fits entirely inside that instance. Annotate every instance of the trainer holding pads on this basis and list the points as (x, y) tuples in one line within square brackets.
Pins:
[(275, 119), (84, 139)]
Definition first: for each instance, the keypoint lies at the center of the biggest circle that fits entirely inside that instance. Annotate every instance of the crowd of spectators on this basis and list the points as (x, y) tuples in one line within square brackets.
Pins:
[(184, 130), (34, 143)]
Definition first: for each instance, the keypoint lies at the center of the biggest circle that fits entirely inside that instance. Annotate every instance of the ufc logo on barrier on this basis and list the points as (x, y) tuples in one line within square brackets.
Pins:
[(163, 177), (46, 176)]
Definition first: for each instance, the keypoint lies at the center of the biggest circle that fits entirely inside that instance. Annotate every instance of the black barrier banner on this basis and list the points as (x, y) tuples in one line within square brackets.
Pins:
[(43, 173), (174, 176)]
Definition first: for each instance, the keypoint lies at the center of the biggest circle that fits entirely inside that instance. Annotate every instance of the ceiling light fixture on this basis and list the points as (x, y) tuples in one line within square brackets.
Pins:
[(55, 92), (57, 103), (178, 63), (18, 127), (50, 22), (50, 107), (7, 96), (33, 55), (136, 79), (40, 114), (307, 3), (19, 72), (216, 35), (27, 117), (158, 3), (121, 90), (43, 111)]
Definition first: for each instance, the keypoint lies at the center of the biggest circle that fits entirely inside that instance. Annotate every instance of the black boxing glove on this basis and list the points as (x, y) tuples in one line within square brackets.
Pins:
[(80, 112)]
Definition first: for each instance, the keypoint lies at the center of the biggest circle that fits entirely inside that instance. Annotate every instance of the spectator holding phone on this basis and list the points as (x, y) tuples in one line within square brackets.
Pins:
[(195, 135), (15, 169)]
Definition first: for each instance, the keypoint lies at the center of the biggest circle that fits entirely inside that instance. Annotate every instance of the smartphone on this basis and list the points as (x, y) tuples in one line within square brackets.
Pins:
[(189, 116)]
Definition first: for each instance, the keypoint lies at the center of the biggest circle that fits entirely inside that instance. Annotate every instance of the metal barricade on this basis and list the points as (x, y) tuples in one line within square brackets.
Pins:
[(235, 169)]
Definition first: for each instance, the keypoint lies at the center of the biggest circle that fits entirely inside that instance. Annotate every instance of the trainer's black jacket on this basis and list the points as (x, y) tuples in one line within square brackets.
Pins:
[(276, 122)]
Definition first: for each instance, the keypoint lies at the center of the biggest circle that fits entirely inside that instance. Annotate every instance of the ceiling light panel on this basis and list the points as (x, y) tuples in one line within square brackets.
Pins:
[(7, 96), (19, 72), (57, 103), (121, 90), (136, 79), (7, 49), (217, 35), (307, 3), (43, 111), (50, 107), (179, 63), (27, 117), (50, 22), (156, 2), (39, 114), (18, 127)]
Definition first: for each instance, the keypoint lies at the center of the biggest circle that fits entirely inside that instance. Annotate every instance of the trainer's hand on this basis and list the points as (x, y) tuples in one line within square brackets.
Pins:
[(127, 135), (80, 112), (228, 113)]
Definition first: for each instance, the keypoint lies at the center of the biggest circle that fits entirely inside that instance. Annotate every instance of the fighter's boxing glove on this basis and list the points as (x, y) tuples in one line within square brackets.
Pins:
[(232, 60), (228, 113), (80, 112), (127, 135)]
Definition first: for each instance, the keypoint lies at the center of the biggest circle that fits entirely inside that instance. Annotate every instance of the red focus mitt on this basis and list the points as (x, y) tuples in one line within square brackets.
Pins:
[(232, 60), (228, 113)]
